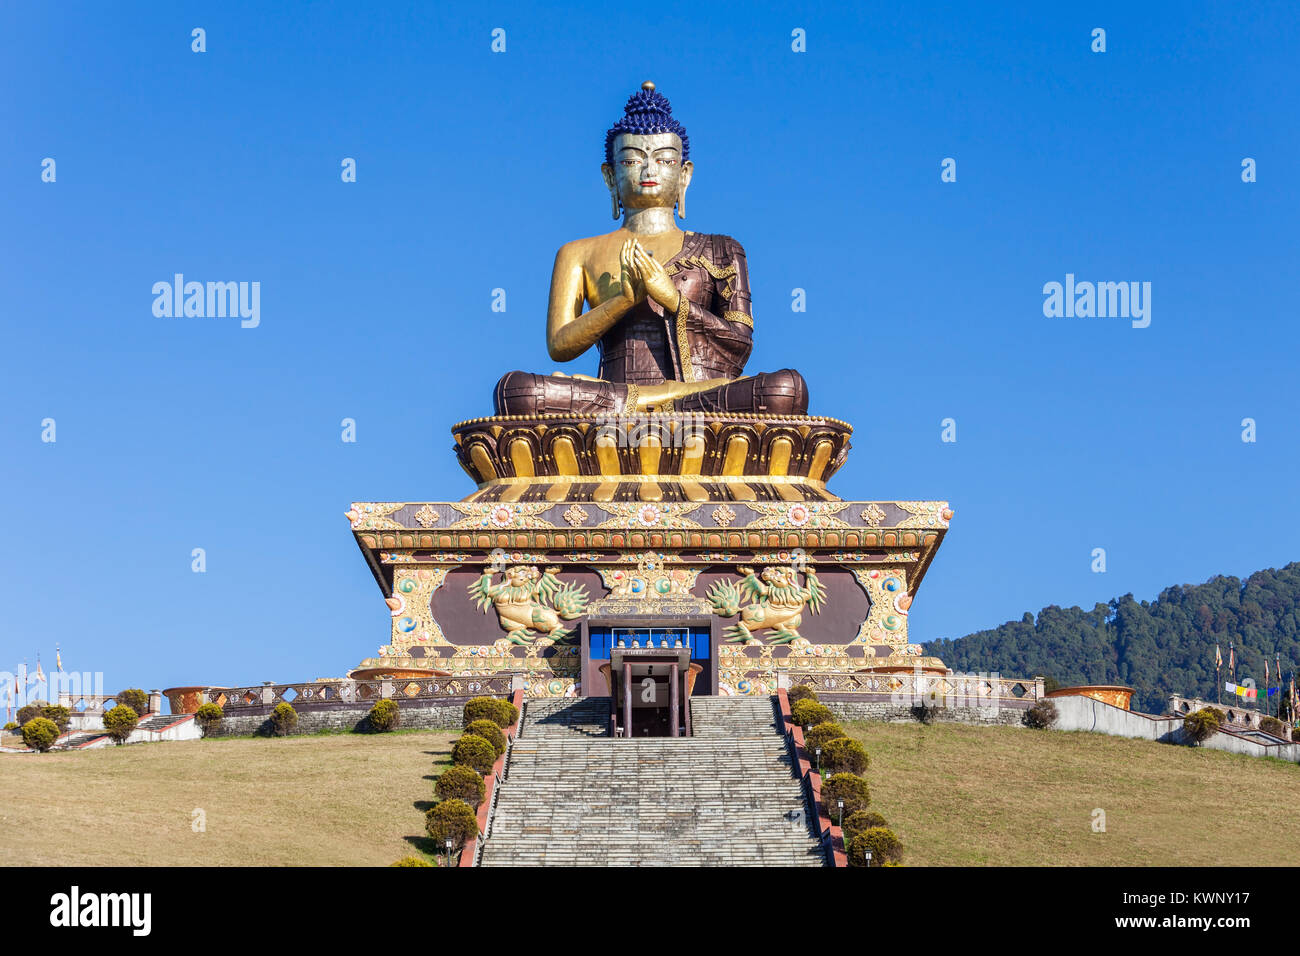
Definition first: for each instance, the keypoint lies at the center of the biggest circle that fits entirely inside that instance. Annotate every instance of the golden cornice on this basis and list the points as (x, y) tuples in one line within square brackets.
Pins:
[(693, 416)]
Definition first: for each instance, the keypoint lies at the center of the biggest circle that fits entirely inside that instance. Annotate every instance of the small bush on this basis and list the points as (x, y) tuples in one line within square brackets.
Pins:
[(40, 733), (884, 846), (120, 721), (496, 709), (208, 716), (807, 712), (850, 788), (1201, 725), (1041, 716), (1295, 734), (12, 725), (507, 714), (461, 783), (31, 711), (844, 755), (820, 735), (411, 861), (283, 719), (856, 823), (800, 692), (474, 752), (489, 732), (1271, 725), (134, 698), (451, 820), (384, 716), (59, 715)]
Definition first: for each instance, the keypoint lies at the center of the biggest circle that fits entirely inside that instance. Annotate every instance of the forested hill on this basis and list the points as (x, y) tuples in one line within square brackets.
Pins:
[(1159, 647)]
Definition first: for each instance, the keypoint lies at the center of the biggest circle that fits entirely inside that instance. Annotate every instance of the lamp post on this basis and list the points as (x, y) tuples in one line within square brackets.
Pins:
[(818, 765), (841, 803), (867, 854), (449, 854)]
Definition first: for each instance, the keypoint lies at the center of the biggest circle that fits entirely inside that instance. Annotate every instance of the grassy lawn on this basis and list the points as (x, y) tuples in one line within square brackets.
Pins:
[(998, 796), (343, 800)]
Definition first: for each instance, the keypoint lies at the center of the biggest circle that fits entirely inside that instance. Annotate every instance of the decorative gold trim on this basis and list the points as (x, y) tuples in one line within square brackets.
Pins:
[(709, 267), (683, 338), (633, 395), (702, 416), (666, 479), (740, 317)]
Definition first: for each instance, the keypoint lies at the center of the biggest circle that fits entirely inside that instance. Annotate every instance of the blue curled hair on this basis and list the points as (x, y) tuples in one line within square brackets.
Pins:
[(647, 111)]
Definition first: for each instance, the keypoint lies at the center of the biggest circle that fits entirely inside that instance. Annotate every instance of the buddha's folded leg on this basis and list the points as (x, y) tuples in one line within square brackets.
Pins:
[(526, 393), (783, 392)]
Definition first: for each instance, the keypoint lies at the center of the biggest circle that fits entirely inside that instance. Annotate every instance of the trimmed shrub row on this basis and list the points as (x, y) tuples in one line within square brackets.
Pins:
[(460, 789), (842, 761)]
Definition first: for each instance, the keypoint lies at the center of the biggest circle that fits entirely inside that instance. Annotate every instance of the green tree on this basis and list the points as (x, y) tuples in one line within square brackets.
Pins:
[(119, 722), (40, 734), (134, 698)]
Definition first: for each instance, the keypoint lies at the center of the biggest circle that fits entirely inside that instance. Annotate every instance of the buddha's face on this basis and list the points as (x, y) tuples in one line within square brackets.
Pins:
[(648, 170)]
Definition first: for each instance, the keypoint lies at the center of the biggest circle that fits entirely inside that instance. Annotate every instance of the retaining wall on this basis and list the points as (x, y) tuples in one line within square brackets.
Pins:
[(443, 714), (982, 715)]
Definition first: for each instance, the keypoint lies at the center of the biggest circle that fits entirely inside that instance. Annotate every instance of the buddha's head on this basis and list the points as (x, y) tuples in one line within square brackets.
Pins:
[(647, 155)]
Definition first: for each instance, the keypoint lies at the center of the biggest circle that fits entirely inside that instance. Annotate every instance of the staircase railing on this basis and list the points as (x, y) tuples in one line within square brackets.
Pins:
[(830, 834)]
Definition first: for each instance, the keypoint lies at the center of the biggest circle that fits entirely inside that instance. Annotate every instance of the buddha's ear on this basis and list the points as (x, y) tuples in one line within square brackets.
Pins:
[(688, 170), (607, 173)]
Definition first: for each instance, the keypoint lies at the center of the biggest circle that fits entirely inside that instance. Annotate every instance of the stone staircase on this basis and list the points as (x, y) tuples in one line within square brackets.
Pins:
[(158, 721), (77, 739), (573, 796)]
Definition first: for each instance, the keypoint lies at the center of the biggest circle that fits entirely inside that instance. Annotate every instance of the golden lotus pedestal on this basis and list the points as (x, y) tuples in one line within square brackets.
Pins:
[(716, 529), (655, 457)]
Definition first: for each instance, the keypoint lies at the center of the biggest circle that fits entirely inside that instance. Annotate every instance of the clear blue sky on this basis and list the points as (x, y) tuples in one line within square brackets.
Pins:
[(924, 298)]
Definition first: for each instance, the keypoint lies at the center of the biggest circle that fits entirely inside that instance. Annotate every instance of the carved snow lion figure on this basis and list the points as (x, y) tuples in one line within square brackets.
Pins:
[(522, 601), (777, 601)]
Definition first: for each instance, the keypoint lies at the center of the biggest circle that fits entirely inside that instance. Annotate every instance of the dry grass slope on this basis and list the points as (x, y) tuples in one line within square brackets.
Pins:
[(955, 795), (998, 796), (343, 800)]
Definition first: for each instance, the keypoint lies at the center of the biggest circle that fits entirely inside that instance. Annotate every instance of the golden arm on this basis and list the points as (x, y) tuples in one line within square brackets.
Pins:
[(569, 330)]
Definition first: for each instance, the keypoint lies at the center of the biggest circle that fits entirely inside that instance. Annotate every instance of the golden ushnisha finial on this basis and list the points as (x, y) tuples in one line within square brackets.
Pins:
[(647, 85)]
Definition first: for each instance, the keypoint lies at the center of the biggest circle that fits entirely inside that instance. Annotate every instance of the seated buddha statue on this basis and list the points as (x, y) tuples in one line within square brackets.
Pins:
[(668, 311)]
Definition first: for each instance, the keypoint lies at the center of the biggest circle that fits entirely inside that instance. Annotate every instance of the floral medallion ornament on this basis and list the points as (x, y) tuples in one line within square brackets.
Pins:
[(724, 515), (372, 517), (501, 515), (427, 517), (799, 514), (776, 601), (649, 515), (873, 515), (576, 514)]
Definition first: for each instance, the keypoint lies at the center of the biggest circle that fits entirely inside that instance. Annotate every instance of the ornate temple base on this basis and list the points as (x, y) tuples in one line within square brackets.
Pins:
[(713, 530)]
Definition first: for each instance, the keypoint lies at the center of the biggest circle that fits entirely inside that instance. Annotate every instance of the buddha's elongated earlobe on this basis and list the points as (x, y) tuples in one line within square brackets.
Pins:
[(615, 206), (681, 204)]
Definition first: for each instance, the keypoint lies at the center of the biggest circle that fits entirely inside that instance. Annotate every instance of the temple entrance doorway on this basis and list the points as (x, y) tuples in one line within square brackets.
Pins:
[(650, 671)]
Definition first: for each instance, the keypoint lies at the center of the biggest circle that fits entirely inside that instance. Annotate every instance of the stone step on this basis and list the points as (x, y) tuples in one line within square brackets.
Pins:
[(574, 796)]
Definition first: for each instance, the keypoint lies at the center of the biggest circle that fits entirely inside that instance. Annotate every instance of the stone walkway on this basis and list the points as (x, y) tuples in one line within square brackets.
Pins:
[(574, 796)]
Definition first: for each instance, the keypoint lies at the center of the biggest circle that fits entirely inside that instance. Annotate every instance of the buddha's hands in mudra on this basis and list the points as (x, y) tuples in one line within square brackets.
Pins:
[(658, 285), (630, 275)]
